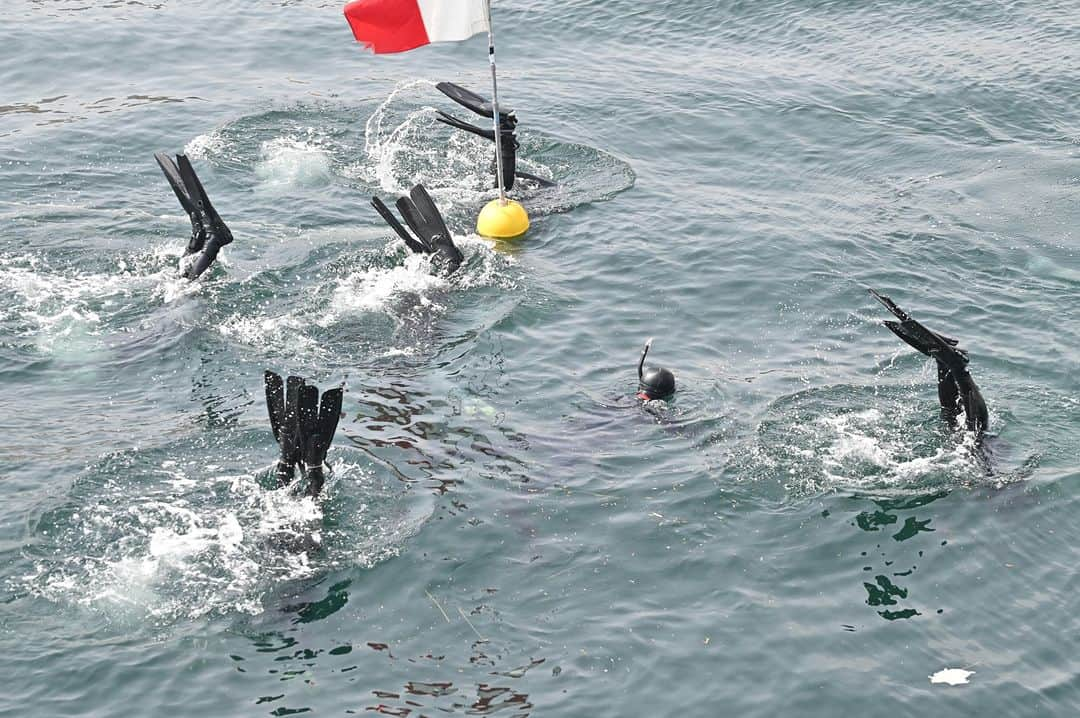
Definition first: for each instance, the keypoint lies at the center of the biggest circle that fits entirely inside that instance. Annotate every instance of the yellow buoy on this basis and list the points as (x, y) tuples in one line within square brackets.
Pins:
[(502, 221)]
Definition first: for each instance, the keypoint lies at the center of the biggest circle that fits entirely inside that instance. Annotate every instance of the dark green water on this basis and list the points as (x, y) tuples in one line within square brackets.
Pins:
[(507, 530)]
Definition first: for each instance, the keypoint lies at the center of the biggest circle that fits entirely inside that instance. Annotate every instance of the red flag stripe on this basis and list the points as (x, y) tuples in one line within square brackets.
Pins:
[(387, 25)]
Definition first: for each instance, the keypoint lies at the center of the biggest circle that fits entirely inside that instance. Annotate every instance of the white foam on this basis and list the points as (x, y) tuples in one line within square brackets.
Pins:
[(289, 162), (169, 556), (62, 310), (382, 289), (376, 289), (284, 331), (205, 146), (219, 546), (863, 450)]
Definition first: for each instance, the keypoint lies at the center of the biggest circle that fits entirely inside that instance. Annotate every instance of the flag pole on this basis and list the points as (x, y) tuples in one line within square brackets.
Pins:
[(495, 106)]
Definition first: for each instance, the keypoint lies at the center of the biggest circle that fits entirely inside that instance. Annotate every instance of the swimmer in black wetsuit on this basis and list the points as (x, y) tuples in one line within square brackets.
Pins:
[(654, 382), (507, 124), (957, 391), (303, 428), (208, 232), (423, 217)]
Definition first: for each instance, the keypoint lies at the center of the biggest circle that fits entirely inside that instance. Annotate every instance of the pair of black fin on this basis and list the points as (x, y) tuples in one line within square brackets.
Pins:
[(507, 125), (425, 220), (303, 427), (957, 391), (208, 231)]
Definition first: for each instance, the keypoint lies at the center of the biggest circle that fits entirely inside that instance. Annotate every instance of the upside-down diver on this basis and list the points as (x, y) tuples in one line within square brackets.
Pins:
[(208, 232), (507, 125), (425, 220), (957, 391), (303, 428)]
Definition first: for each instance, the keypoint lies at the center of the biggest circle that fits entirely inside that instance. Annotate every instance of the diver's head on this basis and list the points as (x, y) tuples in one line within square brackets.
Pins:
[(655, 382)]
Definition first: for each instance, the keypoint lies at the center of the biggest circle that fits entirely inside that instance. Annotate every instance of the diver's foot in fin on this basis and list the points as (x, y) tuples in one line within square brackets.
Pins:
[(426, 222), (956, 389), (508, 144), (918, 336), (302, 426), (209, 233), (283, 405)]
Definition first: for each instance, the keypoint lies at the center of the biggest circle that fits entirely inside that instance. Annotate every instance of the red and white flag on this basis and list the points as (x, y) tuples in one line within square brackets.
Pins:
[(399, 25)]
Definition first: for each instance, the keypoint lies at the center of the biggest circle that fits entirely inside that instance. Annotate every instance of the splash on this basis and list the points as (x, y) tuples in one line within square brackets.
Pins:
[(206, 146), (64, 310), (382, 146), (860, 449), (814, 442), (378, 289), (405, 145), (285, 332), (412, 284), (287, 162), (177, 544)]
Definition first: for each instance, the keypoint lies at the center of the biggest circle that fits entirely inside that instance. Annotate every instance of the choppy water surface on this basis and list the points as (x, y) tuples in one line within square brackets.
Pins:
[(507, 530)]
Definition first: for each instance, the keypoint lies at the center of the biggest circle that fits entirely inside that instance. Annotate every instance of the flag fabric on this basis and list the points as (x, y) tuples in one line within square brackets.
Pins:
[(399, 25)]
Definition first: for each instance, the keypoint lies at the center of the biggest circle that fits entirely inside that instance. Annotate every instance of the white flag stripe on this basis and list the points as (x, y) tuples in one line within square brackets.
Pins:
[(450, 20)]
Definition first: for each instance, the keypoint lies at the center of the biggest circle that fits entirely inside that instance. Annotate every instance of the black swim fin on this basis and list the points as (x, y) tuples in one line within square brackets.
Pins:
[(172, 174), (957, 391), (283, 405), (481, 106), (426, 222), (302, 427), (318, 431), (918, 336), (209, 233), (432, 218), (448, 119), (425, 219), (416, 245), (477, 103)]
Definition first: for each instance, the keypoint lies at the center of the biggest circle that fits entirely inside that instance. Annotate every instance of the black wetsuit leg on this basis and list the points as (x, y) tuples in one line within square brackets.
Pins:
[(948, 394), (975, 412), (958, 392)]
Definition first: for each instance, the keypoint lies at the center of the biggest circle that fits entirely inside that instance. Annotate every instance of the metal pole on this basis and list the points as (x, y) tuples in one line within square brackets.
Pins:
[(495, 106)]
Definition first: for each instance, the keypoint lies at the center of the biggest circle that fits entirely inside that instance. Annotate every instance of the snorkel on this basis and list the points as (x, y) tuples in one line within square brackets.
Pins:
[(657, 382)]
